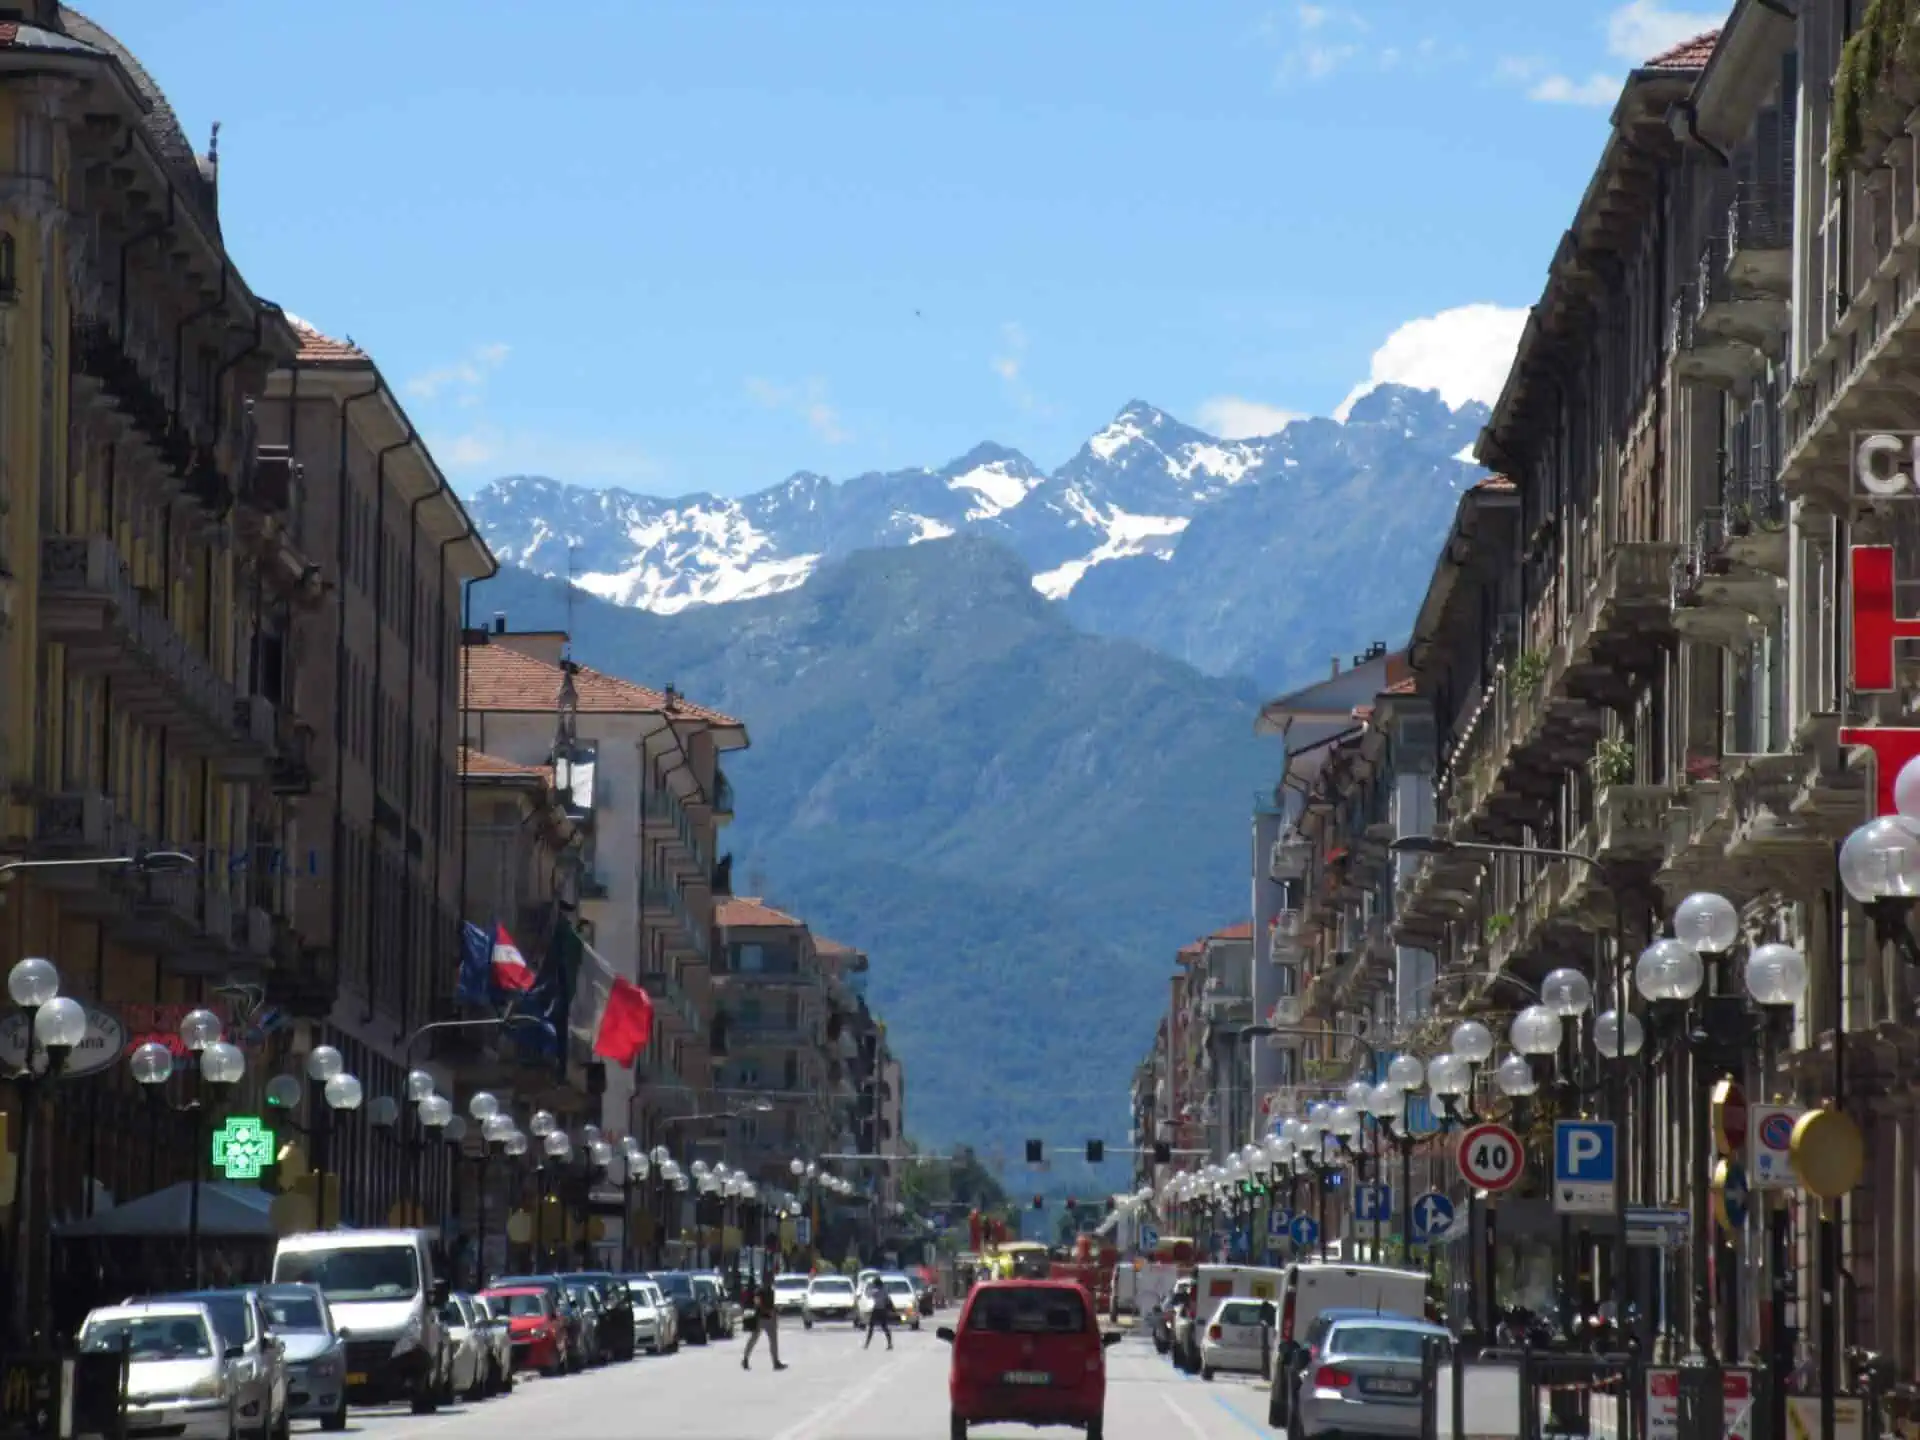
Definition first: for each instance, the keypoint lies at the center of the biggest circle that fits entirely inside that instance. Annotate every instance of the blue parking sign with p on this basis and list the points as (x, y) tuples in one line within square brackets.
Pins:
[(1584, 1179)]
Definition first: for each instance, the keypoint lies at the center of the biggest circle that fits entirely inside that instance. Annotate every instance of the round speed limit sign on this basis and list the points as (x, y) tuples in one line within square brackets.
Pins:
[(1490, 1157)]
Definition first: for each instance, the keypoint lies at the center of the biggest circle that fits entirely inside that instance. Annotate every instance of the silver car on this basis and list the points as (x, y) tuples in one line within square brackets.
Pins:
[(180, 1379), (499, 1343), (1365, 1377), (316, 1356)]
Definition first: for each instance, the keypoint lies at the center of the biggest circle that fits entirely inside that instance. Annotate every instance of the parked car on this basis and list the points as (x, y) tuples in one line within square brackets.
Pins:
[(386, 1299), (655, 1322), (1314, 1289), (578, 1324), (1165, 1313), (259, 1359), (467, 1371), (1028, 1352), (713, 1294), (790, 1294), (829, 1298), (315, 1355), (180, 1381), (616, 1311), (539, 1335), (1366, 1376), (692, 1308), (499, 1342)]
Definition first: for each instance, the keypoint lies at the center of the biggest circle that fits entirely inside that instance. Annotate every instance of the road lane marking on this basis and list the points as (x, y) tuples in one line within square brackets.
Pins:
[(1245, 1419), (1193, 1426), (842, 1405)]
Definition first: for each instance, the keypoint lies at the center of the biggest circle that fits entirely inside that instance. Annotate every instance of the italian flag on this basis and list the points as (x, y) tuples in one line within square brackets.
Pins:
[(610, 1013)]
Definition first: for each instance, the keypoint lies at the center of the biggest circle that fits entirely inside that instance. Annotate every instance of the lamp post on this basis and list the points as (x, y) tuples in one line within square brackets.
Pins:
[(55, 1023), (497, 1131), (634, 1170), (555, 1145), (214, 1063), (339, 1091)]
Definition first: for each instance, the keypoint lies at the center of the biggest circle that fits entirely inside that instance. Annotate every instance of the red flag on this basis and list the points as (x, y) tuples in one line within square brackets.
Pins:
[(626, 1024)]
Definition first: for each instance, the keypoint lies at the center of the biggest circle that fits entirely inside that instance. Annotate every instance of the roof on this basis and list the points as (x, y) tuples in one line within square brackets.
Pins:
[(1497, 484), (478, 762), (319, 349), (1241, 931), (1688, 54), (1402, 687), (495, 677), (746, 911)]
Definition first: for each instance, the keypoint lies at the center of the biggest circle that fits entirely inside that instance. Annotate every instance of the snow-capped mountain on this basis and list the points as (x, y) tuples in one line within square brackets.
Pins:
[(1122, 512)]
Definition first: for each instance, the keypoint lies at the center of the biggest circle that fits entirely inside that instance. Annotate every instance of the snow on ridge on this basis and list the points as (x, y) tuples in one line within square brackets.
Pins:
[(1127, 534), (925, 529), (995, 487), (667, 592), (1116, 437)]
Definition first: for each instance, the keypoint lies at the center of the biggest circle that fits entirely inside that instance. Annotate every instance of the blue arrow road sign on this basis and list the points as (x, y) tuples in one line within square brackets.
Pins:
[(1279, 1222), (1373, 1202), (1733, 1195), (1583, 1167), (1432, 1214), (1149, 1237), (1305, 1232)]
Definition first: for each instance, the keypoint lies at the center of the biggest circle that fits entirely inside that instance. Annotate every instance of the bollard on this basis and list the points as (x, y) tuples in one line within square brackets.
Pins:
[(1430, 1390)]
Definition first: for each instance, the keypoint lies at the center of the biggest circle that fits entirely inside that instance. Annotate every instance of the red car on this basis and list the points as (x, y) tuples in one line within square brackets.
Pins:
[(539, 1335), (1031, 1352)]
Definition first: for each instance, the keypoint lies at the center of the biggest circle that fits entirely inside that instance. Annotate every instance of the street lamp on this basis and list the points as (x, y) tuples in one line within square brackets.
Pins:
[(215, 1063), (555, 1144), (339, 1091), (55, 1023)]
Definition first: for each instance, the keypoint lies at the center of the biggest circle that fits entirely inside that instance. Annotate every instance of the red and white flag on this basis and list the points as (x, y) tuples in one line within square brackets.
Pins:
[(511, 972)]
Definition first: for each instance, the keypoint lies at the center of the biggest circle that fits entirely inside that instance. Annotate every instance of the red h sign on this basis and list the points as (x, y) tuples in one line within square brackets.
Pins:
[(1877, 631)]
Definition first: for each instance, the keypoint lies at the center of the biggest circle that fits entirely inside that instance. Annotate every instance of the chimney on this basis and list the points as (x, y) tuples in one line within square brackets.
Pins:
[(1336, 667), (499, 622)]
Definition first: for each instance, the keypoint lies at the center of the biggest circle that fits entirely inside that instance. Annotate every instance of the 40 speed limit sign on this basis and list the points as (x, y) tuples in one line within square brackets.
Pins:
[(1490, 1157)]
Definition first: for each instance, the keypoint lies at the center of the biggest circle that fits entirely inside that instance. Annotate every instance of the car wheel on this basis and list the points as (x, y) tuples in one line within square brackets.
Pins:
[(1097, 1428), (957, 1428), (285, 1427), (1206, 1373), (338, 1419)]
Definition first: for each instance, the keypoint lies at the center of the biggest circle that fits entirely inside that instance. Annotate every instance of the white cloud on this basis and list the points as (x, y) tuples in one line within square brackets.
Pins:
[(1013, 353), (1642, 29), (1464, 353), (1596, 89), (464, 379), (1311, 17), (808, 402), (1232, 418)]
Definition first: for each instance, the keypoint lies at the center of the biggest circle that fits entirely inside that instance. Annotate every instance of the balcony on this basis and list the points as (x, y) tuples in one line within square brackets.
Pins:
[(1760, 233), (1622, 628), (722, 794), (1288, 858), (1721, 596), (1753, 322), (290, 771), (186, 917), (671, 1000), (108, 628), (1518, 745)]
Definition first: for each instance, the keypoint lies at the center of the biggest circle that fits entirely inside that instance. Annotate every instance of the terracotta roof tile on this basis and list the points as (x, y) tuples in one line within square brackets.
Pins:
[(740, 911), (1499, 483), (495, 677), (1401, 687), (1242, 931), (316, 348), (478, 762), (835, 947), (1687, 55)]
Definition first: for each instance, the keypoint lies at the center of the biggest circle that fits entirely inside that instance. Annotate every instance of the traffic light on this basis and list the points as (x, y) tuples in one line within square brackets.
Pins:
[(1162, 1153), (1039, 1202), (1033, 1155), (1096, 1151), (1072, 1204)]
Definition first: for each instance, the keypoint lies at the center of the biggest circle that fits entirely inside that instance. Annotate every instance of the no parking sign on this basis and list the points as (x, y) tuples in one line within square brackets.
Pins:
[(1771, 1131)]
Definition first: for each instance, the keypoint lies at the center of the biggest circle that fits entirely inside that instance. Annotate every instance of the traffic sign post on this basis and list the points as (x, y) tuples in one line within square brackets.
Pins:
[(1770, 1130), (1432, 1216), (1585, 1179), (1490, 1157), (1373, 1203), (1730, 1197), (1305, 1231), (1149, 1237), (1279, 1223)]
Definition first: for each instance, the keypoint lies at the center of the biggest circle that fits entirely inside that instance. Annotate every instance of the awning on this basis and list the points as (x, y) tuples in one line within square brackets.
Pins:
[(227, 1212)]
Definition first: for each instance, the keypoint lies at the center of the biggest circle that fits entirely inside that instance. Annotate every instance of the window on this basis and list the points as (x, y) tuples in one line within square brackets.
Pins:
[(1029, 1311), (749, 959)]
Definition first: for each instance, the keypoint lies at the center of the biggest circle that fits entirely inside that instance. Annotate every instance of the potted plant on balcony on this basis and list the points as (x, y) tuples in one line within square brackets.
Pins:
[(1527, 671), (1876, 84), (1612, 762), (1498, 924)]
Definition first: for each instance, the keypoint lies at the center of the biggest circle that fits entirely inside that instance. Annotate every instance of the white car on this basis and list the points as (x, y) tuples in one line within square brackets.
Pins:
[(1236, 1338), (180, 1379), (470, 1370), (655, 1322), (830, 1297), (790, 1294), (906, 1304)]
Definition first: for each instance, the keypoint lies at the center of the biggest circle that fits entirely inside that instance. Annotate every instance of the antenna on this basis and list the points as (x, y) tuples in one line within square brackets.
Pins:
[(571, 547)]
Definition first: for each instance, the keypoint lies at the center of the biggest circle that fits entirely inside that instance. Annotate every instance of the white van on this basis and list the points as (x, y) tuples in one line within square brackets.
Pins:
[(386, 1304), (1211, 1285), (1313, 1288)]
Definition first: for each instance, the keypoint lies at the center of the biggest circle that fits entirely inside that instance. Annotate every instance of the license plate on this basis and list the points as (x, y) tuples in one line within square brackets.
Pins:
[(356, 1377), (1390, 1387), (1027, 1377)]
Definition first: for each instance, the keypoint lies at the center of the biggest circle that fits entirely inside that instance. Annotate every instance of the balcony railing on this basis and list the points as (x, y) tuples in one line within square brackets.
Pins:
[(722, 793)]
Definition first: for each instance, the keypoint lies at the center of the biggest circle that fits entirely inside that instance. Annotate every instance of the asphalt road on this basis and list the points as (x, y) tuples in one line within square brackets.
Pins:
[(831, 1390)]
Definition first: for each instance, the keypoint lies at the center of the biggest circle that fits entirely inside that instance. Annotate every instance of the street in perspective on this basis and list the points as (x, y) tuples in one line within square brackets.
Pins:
[(564, 874)]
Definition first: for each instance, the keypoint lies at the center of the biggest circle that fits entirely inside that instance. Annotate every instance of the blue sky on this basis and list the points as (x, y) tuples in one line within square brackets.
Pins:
[(700, 244)]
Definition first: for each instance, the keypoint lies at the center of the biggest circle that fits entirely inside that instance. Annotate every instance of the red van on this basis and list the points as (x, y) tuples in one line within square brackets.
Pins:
[(1031, 1352)]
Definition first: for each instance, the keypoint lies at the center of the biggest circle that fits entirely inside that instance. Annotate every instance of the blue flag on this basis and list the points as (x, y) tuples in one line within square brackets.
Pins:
[(550, 999), (476, 967)]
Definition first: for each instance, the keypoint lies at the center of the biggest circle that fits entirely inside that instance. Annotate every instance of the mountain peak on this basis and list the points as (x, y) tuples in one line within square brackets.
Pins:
[(1141, 411), (1406, 407)]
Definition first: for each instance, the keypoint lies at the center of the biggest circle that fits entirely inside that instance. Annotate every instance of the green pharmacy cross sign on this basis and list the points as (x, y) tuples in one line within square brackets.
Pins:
[(242, 1147)]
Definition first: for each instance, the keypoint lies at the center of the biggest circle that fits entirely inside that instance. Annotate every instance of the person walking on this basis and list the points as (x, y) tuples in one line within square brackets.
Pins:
[(766, 1321), (881, 1315)]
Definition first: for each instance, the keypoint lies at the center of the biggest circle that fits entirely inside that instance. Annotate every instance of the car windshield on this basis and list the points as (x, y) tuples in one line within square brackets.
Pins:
[(1028, 1312), (526, 1302), (703, 1286), (150, 1337), (294, 1312), (674, 1284), (833, 1287), (900, 1287), (232, 1317), (1241, 1312), (380, 1272), (1383, 1342)]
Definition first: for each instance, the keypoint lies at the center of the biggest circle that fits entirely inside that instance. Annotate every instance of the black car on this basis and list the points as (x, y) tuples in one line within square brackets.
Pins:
[(616, 1310), (699, 1321)]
